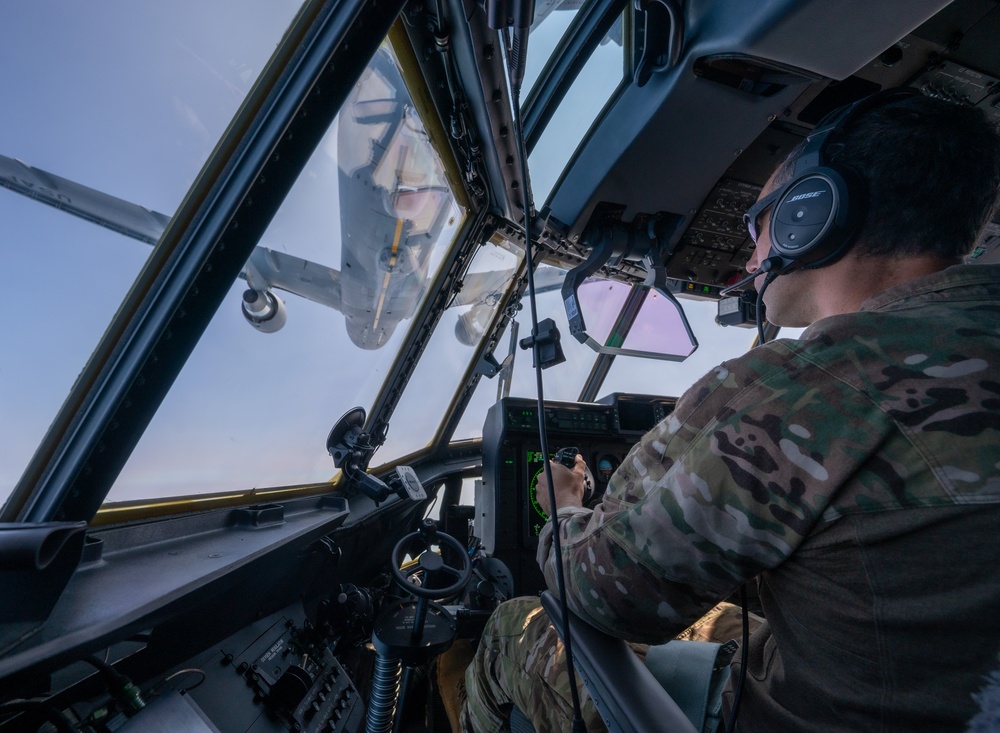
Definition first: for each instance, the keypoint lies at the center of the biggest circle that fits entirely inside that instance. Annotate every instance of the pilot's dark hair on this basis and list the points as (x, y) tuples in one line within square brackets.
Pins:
[(932, 173)]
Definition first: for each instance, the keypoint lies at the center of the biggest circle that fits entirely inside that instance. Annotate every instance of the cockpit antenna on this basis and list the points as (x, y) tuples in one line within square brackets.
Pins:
[(519, 14)]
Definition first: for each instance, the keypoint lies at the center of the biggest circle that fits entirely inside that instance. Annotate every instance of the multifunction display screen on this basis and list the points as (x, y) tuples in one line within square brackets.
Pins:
[(535, 466), (509, 517)]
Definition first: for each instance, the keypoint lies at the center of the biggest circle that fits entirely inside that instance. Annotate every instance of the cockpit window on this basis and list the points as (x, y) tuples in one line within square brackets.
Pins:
[(627, 374), (110, 112), (587, 96), (447, 357), (671, 379), (314, 325), (552, 19), (561, 382)]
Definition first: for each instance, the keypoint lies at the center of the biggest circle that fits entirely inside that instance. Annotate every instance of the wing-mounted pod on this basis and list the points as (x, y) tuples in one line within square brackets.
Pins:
[(471, 325), (264, 310)]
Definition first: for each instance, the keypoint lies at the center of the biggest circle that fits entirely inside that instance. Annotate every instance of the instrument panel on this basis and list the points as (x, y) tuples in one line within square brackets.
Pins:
[(508, 518)]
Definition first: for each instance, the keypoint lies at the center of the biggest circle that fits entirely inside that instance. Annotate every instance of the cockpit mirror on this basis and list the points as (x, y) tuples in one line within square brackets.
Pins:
[(626, 320), (645, 320)]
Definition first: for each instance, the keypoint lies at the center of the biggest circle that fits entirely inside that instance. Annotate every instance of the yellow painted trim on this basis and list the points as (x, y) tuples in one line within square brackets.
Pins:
[(130, 511), (392, 264)]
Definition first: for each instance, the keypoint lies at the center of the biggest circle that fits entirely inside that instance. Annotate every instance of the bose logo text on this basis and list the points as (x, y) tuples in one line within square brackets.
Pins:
[(812, 195)]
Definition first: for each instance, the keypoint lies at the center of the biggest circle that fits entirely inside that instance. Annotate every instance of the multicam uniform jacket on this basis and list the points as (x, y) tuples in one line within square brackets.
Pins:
[(855, 473)]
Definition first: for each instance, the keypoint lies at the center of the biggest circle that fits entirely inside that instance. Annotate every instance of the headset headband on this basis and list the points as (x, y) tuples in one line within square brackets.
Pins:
[(835, 122)]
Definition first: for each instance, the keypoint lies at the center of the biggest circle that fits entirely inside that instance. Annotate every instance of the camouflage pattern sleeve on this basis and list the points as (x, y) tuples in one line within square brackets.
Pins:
[(727, 486)]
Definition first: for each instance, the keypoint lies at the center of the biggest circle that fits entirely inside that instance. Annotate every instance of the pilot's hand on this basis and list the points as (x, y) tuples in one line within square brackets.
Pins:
[(569, 484)]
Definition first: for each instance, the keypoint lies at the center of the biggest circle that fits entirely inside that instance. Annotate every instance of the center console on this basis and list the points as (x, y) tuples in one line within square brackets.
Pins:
[(508, 517)]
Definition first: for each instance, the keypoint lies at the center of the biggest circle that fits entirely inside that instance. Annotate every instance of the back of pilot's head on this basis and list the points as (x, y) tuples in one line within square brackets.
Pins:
[(931, 171)]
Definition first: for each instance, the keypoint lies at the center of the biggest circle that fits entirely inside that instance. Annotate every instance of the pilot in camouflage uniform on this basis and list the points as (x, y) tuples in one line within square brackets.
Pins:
[(853, 472)]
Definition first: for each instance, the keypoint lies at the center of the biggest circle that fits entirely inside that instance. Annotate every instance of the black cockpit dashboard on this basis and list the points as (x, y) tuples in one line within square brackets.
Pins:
[(508, 517), (268, 617)]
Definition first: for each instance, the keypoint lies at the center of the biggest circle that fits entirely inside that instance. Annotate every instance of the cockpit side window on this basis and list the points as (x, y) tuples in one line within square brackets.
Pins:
[(315, 323), (105, 131)]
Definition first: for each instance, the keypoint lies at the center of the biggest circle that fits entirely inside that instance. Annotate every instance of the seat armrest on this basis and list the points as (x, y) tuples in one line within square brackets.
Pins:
[(627, 696)]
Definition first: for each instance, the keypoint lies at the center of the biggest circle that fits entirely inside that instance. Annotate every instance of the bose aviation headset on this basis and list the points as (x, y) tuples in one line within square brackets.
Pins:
[(818, 213)]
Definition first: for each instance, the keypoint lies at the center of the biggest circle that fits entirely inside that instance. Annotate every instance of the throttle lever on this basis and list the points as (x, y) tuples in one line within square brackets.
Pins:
[(566, 456)]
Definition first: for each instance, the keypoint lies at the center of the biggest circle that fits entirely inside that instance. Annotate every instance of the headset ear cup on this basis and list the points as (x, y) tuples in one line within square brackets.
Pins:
[(816, 219)]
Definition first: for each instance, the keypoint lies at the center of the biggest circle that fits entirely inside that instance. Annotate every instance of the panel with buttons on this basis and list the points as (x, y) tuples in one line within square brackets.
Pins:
[(716, 245)]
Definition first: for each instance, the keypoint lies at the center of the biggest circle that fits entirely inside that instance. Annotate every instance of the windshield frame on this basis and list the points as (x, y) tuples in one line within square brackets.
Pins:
[(591, 24)]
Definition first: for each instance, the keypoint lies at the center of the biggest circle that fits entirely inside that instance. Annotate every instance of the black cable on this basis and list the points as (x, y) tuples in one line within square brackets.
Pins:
[(125, 693), (738, 690), (53, 714), (522, 50), (431, 506), (761, 340), (760, 317)]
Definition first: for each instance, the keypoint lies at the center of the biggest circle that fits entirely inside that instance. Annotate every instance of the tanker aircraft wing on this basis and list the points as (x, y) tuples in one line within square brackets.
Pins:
[(393, 192), (121, 216), (266, 268)]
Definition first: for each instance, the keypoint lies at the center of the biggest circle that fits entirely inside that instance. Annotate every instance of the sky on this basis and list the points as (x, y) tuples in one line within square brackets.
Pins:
[(127, 98), (130, 98)]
